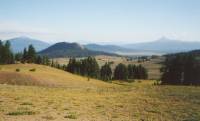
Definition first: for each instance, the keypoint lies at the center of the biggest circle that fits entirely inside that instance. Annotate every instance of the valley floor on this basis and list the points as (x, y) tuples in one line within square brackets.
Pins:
[(120, 102)]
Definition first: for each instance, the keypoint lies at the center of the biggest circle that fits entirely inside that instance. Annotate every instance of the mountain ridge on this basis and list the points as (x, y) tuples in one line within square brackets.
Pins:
[(19, 43), (166, 45)]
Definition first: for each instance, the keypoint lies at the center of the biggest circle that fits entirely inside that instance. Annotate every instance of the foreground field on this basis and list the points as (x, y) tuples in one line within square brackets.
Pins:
[(74, 98)]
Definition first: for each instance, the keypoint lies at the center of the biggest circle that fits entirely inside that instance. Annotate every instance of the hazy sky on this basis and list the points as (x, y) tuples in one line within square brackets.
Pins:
[(111, 21)]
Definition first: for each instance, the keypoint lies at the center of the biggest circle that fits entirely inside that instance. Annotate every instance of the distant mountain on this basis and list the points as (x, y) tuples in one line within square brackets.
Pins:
[(18, 44), (107, 48), (121, 50), (195, 52), (165, 45), (64, 49)]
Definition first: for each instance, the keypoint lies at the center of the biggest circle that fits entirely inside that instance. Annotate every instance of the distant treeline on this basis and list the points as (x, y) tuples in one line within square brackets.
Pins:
[(181, 69), (87, 67)]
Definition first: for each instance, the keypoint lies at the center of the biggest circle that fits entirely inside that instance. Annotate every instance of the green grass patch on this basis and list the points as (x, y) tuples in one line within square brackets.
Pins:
[(71, 115), (16, 113), (26, 103)]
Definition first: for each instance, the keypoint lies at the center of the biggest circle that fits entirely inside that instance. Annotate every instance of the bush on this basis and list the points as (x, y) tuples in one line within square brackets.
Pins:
[(17, 70), (33, 70), (15, 113), (71, 115)]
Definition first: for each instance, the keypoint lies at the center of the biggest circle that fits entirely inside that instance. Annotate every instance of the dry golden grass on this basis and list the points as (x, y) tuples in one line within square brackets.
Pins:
[(45, 75), (74, 98)]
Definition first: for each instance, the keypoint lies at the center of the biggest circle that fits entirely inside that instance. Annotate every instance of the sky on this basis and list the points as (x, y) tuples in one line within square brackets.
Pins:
[(100, 21)]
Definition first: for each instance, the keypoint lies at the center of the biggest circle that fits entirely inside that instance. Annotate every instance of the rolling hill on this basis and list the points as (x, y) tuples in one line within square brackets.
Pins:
[(18, 44), (43, 76), (64, 49)]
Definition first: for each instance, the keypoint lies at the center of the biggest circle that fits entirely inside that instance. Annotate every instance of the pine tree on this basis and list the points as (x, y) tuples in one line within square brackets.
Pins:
[(31, 56), (6, 55), (25, 56), (106, 72), (38, 60), (18, 56), (1, 52), (121, 72)]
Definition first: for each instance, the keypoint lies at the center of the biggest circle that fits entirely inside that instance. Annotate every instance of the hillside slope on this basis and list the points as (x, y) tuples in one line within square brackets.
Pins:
[(44, 76), (61, 96)]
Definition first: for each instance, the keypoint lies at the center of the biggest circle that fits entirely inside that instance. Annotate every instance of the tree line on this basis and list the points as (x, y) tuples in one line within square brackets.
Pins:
[(90, 68), (181, 69)]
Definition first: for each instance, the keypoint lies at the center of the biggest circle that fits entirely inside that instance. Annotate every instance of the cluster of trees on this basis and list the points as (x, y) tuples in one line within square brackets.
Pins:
[(30, 56), (90, 68), (85, 67), (123, 72), (181, 69), (27, 56), (6, 55)]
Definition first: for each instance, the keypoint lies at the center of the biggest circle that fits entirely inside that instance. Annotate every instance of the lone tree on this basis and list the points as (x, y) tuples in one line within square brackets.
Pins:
[(106, 72)]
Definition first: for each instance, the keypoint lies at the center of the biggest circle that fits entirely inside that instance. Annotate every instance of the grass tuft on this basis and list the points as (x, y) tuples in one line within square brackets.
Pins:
[(26, 103), (71, 115), (16, 113), (33, 70)]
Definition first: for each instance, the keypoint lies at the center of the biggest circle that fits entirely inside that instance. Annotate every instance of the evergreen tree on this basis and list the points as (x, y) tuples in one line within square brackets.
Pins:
[(38, 60), (18, 56), (31, 56), (45, 60), (1, 52), (106, 72), (121, 72), (6, 55), (181, 69), (25, 56), (71, 67), (131, 71)]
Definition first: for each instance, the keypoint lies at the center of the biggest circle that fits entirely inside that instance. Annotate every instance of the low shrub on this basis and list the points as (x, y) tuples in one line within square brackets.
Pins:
[(15, 113), (17, 70), (33, 70), (71, 115)]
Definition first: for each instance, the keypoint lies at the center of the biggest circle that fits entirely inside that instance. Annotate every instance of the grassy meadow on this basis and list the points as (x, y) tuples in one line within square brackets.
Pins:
[(52, 94)]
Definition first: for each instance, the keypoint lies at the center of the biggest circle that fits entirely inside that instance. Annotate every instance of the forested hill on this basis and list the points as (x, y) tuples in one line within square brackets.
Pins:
[(182, 68), (64, 49)]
